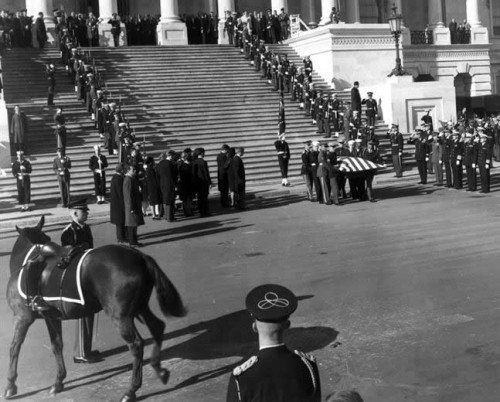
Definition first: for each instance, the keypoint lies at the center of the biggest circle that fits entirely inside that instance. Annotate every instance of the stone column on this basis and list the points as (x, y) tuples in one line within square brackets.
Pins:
[(435, 14), (224, 5), (278, 5), (171, 30), (440, 33), (326, 9), (353, 15), (312, 12), (478, 33), (106, 10), (46, 7)]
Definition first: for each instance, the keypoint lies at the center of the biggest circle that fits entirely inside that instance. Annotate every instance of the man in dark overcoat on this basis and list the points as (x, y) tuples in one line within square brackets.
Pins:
[(167, 171), (356, 98), (132, 201), (222, 177), (239, 178), (18, 128), (117, 205), (41, 31), (201, 180)]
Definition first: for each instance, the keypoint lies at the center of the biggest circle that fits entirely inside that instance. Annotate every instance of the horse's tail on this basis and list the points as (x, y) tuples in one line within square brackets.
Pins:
[(169, 298)]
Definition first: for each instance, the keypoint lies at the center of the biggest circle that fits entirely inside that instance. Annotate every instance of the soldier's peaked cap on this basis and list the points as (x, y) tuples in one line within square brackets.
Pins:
[(271, 303), (79, 204)]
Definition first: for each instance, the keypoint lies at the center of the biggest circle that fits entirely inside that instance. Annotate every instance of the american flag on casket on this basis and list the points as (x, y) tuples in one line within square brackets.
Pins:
[(353, 166)]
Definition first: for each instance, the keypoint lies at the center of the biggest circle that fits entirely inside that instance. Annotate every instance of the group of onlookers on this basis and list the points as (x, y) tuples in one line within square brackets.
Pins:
[(459, 32)]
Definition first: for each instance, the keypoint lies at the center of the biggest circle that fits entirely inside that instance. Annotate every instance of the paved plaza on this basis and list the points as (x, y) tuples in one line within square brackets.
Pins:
[(398, 299)]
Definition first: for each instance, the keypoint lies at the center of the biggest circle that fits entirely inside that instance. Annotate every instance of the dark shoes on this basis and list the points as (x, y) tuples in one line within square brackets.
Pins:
[(137, 245)]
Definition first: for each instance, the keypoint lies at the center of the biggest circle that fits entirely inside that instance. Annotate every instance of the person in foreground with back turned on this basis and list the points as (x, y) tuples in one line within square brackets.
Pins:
[(275, 373)]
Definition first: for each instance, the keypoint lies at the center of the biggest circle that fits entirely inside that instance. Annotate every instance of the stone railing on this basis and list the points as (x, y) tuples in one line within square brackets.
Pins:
[(422, 37)]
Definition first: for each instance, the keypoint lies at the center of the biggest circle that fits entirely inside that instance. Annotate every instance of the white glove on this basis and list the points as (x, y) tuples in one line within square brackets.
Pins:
[(473, 166), (427, 159), (487, 166), (458, 163), (440, 162)]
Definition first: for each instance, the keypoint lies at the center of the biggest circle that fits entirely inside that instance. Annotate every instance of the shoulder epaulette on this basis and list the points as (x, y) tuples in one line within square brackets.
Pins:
[(308, 361), (245, 366)]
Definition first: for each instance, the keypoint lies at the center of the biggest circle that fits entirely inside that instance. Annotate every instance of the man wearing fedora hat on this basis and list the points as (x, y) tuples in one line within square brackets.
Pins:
[(275, 373)]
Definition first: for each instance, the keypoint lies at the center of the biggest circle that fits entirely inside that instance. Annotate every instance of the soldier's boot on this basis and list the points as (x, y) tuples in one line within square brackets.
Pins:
[(32, 277)]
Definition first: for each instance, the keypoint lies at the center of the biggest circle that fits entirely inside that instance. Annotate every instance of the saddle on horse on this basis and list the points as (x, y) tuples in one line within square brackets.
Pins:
[(35, 267)]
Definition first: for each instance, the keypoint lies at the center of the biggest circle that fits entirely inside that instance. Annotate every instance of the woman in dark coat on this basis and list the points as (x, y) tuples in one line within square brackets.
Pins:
[(153, 186), (117, 206)]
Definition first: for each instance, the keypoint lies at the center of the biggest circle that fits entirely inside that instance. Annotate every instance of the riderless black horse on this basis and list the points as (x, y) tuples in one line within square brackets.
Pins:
[(116, 279)]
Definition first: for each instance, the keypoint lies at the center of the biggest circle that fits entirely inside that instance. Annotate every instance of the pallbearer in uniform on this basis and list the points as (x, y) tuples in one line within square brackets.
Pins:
[(456, 154), (305, 171), (484, 162), (78, 234), (21, 170), (275, 373), (283, 152), (98, 164), (61, 166)]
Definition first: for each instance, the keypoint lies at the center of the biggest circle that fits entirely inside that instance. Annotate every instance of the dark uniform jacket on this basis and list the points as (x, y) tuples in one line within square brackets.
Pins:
[(371, 107), (238, 171), (116, 205), (304, 169), (483, 154), (16, 169), (456, 150), (77, 235), (421, 148), (62, 165), (276, 374), (282, 148)]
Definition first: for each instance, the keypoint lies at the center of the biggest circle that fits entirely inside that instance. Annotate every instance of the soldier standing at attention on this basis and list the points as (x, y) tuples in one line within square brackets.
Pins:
[(78, 234), (283, 152), (98, 163), (484, 162), (21, 170), (397, 144), (222, 176), (275, 373), (61, 166), (371, 109), (419, 139)]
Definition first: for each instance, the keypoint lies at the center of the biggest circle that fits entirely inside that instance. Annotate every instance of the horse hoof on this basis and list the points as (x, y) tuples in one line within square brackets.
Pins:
[(10, 392), (163, 375), (128, 397), (55, 389)]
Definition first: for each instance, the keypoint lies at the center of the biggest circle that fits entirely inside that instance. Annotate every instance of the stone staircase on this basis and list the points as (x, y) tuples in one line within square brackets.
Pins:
[(174, 97)]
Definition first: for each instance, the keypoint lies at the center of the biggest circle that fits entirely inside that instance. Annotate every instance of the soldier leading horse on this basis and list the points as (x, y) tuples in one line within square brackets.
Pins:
[(116, 279)]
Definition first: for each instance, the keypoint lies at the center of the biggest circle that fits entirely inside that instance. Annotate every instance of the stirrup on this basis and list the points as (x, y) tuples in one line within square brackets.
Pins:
[(38, 304)]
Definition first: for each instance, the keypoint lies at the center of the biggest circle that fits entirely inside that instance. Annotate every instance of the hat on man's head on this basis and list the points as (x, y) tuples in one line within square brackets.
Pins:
[(271, 303), (122, 124), (308, 142), (80, 204), (356, 83), (394, 125), (369, 93)]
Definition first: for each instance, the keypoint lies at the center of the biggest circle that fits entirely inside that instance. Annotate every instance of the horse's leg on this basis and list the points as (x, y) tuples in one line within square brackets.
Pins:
[(129, 333), (21, 326), (55, 332), (156, 326)]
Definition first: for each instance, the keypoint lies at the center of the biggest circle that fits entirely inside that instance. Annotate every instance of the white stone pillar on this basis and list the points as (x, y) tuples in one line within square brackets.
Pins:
[(224, 5), (473, 13), (478, 33), (46, 7), (278, 5), (171, 30), (326, 9), (107, 8)]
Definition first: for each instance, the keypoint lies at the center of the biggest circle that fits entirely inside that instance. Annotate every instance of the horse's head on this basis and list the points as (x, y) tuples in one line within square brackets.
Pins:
[(34, 233)]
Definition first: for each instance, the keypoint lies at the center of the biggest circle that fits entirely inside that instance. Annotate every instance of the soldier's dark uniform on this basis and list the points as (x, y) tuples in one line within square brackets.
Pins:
[(275, 373), (80, 235), (470, 161), (421, 154), (61, 167), (283, 152), (446, 161), (371, 109), (484, 163), (21, 170), (456, 153)]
